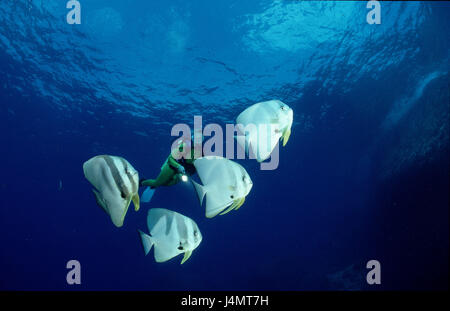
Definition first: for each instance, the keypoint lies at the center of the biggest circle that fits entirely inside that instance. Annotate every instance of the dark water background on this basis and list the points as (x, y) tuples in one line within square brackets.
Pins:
[(364, 176)]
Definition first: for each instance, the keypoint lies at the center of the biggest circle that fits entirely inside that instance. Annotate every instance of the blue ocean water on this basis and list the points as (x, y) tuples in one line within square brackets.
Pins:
[(364, 175)]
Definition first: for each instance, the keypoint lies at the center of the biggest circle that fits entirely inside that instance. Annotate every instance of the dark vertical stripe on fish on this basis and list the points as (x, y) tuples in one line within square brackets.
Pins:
[(169, 222), (181, 226), (105, 170), (134, 188), (125, 193)]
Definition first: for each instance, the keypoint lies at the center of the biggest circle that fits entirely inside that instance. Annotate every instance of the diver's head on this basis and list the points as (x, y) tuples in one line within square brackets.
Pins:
[(198, 134)]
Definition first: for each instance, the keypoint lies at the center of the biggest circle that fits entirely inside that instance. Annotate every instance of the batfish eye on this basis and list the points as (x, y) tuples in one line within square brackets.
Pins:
[(195, 233), (232, 196), (283, 107), (180, 247), (122, 194)]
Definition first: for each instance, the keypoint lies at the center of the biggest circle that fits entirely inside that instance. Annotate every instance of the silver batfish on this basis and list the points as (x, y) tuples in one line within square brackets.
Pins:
[(116, 184)]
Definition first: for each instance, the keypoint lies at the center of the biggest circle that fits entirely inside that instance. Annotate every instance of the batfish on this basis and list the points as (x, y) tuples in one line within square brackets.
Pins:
[(225, 184), (264, 124), (115, 184), (171, 234)]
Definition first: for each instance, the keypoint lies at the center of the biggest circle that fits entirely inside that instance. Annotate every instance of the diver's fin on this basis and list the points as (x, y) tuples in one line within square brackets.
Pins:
[(136, 203), (147, 241), (200, 191), (147, 195), (186, 256), (286, 136)]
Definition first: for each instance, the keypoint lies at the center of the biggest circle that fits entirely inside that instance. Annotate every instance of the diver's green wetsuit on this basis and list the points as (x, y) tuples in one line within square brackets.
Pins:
[(171, 169)]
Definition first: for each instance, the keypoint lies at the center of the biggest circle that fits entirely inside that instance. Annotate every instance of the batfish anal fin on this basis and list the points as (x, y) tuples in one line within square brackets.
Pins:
[(136, 202), (186, 256)]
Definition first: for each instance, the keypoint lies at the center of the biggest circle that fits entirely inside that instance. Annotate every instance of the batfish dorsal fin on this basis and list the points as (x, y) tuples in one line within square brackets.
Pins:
[(157, 221)]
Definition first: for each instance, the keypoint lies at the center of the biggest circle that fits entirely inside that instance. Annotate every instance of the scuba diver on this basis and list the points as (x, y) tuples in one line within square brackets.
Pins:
[(172, 170)]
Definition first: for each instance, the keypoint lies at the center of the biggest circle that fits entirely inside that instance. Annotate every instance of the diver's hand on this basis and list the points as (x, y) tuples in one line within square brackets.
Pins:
[(181, 170)]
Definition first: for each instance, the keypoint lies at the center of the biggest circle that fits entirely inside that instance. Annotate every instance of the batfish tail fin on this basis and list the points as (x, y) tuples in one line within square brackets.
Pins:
[(147, 241), (147, 195), (200, 191)]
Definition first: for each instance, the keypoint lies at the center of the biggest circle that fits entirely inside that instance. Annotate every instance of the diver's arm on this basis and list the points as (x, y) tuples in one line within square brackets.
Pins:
[(171, 161), (177, 166)]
